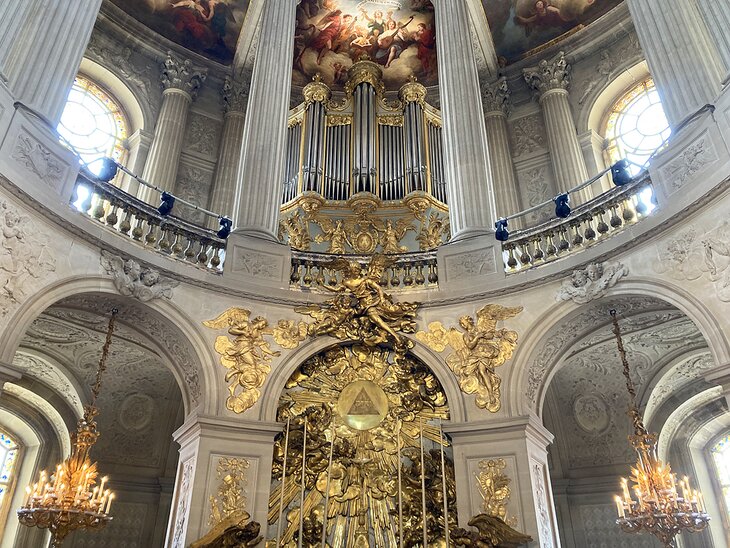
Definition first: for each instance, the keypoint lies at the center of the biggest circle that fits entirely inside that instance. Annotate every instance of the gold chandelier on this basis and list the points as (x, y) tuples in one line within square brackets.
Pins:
[(71, 499), (656, 505)]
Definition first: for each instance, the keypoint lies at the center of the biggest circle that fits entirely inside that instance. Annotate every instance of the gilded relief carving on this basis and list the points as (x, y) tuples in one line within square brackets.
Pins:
[(478, 347), (229, 500), (494, 488)]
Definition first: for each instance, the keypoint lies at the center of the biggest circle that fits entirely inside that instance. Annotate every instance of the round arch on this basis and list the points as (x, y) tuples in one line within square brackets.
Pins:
[(532, 381), (189, 345), (276, 382)]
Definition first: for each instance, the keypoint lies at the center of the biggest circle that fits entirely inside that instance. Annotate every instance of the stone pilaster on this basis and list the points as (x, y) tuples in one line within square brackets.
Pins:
[(466, 154), (259, 188), (139, 144), (181, 81), (41, 46), (717, 18), (682, 59), (522, 443), (235, 99), (204, 441), (496, 98), (550, 80)]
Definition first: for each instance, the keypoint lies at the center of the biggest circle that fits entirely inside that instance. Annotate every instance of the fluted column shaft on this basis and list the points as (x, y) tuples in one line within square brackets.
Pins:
[(496, 110), (261, 170), (466, 154), (41, 46), (235, 96), (682, 59), (550, 80), (716, 14), (181, 82)]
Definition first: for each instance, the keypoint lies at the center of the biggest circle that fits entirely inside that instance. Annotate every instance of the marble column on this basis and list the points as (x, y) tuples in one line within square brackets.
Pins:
[(550, 80), (261, 168), (468, 177), (496, 109), (235, 98), (181, 81), (683, 61), (207, 443), (41, 46), (716, 14)]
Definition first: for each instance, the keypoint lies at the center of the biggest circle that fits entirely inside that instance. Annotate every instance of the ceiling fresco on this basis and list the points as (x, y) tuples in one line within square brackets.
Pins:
[(519, 26), (397, 34), (208, 27)]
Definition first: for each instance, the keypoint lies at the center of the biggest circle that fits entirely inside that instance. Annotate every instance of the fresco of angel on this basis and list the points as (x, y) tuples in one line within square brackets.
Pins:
[(247, 356)]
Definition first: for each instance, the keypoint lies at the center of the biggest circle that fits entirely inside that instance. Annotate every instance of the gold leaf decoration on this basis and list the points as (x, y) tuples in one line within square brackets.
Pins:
[(495, 490), (290, 333), (478, 348), (229, 500)]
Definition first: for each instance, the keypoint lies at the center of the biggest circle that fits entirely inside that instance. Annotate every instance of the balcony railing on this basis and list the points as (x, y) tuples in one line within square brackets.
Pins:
[(128, 216), (409, 271), (589, 224)]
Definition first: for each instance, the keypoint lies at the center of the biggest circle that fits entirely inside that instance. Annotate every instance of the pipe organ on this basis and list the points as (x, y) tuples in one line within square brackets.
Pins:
[(364, 142)]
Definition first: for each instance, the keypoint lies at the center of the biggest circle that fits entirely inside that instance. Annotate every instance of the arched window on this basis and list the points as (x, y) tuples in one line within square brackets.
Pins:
[(636, 126), (720, 453), (94, 123), (9, 456)]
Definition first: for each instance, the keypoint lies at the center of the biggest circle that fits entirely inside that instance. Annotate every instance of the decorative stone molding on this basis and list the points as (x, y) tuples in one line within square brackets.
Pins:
[(229, 499), (541, 505), (235, 95), (183, 503), (496, 97), (691, 160), (39, 160), (591, 282), (527, 135), (181, 74), (549, 74), (133, 280)]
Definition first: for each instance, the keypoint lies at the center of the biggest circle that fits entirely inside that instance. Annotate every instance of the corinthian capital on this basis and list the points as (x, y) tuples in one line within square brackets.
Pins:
[(549, 74), (182, 74), (235, 95), (496, 97)]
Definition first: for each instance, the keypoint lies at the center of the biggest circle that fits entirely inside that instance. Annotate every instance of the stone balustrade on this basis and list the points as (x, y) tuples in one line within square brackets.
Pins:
[(410, 271), (125, 214), (590, 223)]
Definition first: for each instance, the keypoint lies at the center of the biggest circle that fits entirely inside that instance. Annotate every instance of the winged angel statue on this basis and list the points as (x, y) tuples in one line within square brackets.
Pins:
[(362, 310), (478, 348), (247, 356)]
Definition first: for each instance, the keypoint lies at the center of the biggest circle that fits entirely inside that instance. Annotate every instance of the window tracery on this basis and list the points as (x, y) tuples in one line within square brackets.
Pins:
[(94, 123), (636, 126)]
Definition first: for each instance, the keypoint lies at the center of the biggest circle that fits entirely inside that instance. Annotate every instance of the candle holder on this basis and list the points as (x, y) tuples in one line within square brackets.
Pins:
[(656, 506), (70, 499)]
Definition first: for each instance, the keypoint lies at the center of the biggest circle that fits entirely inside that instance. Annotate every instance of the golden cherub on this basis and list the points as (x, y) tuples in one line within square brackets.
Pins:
[(247, 357)]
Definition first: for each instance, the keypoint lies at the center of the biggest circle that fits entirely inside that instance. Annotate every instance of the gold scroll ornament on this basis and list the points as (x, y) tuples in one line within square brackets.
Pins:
[(478, 347), (495, 490), (247, 355), (229, 500)]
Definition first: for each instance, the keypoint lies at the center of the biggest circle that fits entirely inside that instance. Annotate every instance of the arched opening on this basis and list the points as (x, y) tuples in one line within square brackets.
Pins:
[(372, 422), (142, 402)]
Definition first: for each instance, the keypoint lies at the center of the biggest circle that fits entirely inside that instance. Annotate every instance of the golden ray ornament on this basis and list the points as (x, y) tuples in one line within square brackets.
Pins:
[(495, 490), (354, 418), (71, 499), (478, 347), (656, 507)]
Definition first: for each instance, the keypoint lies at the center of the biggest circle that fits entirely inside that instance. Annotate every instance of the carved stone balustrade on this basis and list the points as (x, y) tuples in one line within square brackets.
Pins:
[(588, 224), (129, 216), (410, 271)]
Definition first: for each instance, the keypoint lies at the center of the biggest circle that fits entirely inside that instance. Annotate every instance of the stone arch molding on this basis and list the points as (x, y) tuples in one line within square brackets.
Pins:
[(540, 356), (181, 346), (276, 382)]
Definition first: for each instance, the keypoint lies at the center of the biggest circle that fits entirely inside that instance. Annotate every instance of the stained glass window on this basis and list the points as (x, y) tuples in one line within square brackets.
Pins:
[(720, 453), (93, 123), (636, 126), (9, 451)]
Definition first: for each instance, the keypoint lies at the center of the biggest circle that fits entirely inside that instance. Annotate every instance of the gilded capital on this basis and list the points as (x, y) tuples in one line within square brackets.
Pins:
[(316, 91), (413, 92), (365, 72), (549, 74), (496, 97), (182, 74), (235, 95)]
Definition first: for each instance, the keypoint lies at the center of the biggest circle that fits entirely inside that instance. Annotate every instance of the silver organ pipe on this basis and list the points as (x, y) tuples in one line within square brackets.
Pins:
[(364, 143)]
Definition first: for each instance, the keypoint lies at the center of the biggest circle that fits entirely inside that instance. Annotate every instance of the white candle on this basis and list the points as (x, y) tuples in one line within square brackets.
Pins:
[(620, 507), (109, 503)]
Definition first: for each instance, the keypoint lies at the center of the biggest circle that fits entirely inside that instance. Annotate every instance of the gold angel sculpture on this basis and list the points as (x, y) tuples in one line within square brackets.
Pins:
[(478, 348), (247, 356), (493, 533), (362, 310)]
